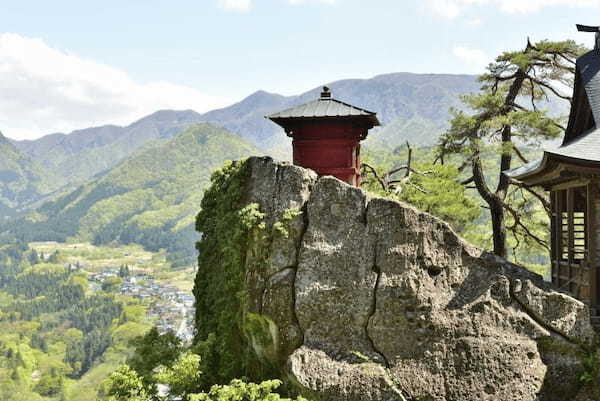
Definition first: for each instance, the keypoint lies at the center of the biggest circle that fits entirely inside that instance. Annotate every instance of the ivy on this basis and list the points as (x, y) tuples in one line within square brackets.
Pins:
[(225, 224)]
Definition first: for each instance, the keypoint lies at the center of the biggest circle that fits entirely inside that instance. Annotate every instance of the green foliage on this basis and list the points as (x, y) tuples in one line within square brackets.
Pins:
[(219, 284), (149, 199), (54, 257), (282, 227), (184, 377), (153, 350), (50, 384), (440, 193), (112, 284), (239, 390), (51, 331), (125, 385), (509, 111), (591, 369), (434, 188)]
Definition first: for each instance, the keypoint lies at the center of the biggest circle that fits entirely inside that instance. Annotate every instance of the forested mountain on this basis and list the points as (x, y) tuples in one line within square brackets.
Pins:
[(411, 106), (150, 199), (22, 180), (85, 153)]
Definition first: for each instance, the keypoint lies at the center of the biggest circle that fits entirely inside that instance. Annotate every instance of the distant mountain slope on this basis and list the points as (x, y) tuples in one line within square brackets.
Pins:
[(151, 198), (21, 179), (85, 153), (415, 106), (412, 107)]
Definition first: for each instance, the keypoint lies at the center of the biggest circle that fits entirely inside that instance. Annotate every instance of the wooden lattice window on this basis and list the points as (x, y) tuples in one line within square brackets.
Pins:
[(570, 236)]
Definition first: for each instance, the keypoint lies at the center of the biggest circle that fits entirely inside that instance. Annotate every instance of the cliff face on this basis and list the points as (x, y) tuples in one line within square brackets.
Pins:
[(359, 298)]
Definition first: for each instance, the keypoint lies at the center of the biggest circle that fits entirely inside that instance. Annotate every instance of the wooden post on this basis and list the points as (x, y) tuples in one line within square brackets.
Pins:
[(571, 240), (560, 207), (555, 238), (592, 237)]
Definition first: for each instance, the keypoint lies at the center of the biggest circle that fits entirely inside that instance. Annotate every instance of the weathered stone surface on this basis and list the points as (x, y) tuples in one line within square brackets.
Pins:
[(278, 188), (335, 282), (271, 259), (335, 380), (374, 300), (278, 304), (559, 311)]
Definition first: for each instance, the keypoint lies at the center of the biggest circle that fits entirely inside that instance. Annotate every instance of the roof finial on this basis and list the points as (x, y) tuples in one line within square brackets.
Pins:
[(596, 29), (326, 94)]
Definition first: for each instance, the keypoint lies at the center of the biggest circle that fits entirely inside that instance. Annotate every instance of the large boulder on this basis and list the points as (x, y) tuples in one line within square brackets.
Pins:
[(370, 299)]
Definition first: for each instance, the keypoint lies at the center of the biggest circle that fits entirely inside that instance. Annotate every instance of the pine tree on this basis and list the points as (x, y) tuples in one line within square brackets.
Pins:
[(507, 115)]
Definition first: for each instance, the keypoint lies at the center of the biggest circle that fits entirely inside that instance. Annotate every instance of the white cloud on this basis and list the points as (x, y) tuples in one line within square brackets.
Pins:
[(454, 8), (475, 58), (46, 90), (236, 5)]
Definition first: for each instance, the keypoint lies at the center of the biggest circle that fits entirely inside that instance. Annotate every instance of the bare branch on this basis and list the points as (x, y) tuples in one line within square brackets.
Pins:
[(366, 166), (520, 155)]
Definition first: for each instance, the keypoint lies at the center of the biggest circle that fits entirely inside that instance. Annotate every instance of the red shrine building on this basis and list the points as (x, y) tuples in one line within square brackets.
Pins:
[(326, 135)]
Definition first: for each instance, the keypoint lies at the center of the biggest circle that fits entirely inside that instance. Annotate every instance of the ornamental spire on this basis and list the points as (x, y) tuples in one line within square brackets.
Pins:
[(587, 28)]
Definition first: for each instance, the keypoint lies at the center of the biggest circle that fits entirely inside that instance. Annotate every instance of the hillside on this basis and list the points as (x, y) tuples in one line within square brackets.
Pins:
[(21, 179), (150, 199), (85, 153), (411, 106)]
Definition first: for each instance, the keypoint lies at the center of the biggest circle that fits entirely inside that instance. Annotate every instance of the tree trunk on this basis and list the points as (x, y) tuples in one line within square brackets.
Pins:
[(498, 228)]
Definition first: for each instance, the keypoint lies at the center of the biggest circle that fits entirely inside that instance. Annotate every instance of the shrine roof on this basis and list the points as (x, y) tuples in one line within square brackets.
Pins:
[(583, 150), (584, 147), (589, 67), (325, 107), (581, 143)]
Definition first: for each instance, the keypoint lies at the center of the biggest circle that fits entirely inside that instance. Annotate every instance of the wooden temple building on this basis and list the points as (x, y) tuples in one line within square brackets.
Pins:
[(326, 135), (571, 173)]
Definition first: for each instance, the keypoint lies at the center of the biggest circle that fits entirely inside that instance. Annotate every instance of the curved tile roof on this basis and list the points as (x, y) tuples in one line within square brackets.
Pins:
[(324, 107)]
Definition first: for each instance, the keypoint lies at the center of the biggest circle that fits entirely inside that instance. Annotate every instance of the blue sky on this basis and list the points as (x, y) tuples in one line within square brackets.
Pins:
[(72, 64)]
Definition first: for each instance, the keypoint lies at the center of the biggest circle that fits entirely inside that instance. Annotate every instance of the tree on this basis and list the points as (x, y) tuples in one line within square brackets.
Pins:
[(50, 384), (507, 115), (124, 271), (54, 257), (125, 384), (184, 377), (153, 350), (239, 390), (112, 284), (435, 189)]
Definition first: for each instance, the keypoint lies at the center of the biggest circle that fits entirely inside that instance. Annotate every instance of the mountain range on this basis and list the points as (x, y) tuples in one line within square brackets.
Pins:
[(150, 198), (143, 183), (413, 107)]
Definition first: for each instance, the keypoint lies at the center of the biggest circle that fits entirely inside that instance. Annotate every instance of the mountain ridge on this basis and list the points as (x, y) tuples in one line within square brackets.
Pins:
[(149, 198), (411, 106)]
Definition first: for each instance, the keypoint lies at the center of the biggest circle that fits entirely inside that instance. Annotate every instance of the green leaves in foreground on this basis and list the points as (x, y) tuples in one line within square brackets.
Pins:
[(238, 390), (181, 379)]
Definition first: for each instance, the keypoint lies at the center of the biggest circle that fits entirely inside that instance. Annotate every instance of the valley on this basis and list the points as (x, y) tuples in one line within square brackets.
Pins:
[(98, 227), (139, 290)]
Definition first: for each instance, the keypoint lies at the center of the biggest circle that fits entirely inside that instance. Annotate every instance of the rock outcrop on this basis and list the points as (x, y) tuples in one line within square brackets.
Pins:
[(370, 299)]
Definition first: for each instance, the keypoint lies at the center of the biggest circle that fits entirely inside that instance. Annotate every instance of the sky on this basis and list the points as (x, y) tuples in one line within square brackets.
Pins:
[(67, 64)]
